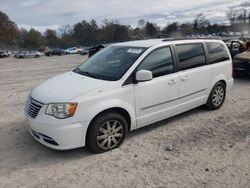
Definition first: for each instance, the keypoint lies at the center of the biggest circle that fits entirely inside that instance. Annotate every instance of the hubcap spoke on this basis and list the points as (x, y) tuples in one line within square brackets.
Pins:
[(115, 124), (117, 135), (102, 137), (108, 125), (114, 140), (109, 144), (118, 129), (102, 130), (104, 142)]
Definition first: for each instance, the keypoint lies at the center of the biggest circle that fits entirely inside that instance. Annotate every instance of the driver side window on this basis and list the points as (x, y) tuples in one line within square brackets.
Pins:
[(159, 62)]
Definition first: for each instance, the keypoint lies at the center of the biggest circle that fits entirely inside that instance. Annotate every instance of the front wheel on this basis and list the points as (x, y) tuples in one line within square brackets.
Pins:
[(217, 96), (106, 132)]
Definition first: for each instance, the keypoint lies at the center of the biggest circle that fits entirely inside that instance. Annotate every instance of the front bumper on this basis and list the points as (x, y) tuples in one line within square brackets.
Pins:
[(57, 134)]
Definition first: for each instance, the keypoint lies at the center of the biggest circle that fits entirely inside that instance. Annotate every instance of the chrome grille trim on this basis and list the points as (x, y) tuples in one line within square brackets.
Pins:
[(33, 107)]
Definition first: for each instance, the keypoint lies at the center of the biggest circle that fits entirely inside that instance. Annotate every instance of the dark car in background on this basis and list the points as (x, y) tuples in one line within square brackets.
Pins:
[(55, 52), (242, 63), (235, 47), (96, 49), (2, 54)]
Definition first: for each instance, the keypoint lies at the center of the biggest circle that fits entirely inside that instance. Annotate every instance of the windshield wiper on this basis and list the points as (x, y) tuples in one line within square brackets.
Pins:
[(85, 73)]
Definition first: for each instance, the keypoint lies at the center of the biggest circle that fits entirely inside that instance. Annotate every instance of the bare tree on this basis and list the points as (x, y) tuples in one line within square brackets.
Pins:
[(232, 14), (200, 22), (244, 12), (65, 30)]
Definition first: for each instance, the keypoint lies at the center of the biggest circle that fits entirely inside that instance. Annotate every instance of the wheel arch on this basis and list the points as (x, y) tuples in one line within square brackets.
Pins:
[(119, 110), (220, 78), (214, 82)]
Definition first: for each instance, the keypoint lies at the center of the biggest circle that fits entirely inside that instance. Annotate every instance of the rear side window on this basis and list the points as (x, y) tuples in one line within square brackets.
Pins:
[(159, 62), (190, 56), (216, 52)]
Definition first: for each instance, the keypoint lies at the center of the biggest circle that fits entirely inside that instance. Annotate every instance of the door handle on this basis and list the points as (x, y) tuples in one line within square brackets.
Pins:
[(185, 78), (173, 81)]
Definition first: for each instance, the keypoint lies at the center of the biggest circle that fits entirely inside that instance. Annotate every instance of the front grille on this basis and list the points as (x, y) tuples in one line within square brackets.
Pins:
[(33, 107)]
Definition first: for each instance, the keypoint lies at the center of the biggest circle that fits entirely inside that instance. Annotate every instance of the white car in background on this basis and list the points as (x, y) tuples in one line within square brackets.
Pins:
[(28, 54), (126, 86), (72, 50)]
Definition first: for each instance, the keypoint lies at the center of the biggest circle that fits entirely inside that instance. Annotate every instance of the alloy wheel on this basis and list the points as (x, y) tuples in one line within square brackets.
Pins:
[(110, 134), (218, 95)]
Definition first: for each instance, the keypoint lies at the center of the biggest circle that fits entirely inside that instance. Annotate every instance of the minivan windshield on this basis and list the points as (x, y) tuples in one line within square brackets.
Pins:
[(111, 63)]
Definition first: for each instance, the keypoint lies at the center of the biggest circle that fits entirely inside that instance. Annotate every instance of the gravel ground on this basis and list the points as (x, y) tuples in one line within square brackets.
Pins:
[(199, 148)]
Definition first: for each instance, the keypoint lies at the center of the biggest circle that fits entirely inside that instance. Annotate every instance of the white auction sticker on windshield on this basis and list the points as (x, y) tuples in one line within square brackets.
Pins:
[(134, 51)]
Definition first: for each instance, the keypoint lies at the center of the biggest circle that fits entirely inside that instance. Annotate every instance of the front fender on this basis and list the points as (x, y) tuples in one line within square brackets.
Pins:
[(94, 109)]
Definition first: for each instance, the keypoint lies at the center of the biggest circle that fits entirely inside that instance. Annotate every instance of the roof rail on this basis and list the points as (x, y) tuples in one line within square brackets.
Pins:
[(192, 38)]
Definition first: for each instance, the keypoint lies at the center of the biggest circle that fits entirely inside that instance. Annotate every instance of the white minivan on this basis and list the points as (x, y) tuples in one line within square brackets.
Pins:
[(127, 86)]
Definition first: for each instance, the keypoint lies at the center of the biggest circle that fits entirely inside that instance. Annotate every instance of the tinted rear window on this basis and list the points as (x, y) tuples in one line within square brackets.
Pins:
[(216, 52), (190, 56)]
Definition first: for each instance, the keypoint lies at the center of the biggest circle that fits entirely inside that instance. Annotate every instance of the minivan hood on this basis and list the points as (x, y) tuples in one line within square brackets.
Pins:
[(65, 87)]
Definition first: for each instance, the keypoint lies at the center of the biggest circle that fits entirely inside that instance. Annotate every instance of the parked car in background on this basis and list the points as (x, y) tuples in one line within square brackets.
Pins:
[(73, 50), (242, 63), (125, 87), (28, 54), (235, 47), (55, 52), (80, 49), (8, 53), (96, 49), (43, 49), (3, 54), (85, 51)]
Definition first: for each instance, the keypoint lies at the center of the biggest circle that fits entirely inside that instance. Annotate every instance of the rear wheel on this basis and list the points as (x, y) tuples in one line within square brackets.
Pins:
[(217, 96), (37, 56), (106, 132)]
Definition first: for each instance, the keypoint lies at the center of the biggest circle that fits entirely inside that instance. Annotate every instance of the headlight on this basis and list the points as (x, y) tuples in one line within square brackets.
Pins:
[(61, 111)]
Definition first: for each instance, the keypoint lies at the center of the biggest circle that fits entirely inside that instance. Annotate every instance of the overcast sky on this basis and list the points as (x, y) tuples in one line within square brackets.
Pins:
[(42, 14)]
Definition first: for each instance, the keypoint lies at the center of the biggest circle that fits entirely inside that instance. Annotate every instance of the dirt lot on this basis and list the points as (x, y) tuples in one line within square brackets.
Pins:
[(199, 148)]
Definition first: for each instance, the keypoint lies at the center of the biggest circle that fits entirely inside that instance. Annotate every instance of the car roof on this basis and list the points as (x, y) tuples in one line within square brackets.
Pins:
[(153, 42)]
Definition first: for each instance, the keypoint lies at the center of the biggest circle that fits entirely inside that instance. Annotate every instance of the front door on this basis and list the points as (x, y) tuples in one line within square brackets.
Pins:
[(154, 99)]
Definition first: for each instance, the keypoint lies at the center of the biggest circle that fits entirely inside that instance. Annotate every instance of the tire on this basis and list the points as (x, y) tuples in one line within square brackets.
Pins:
[(37, 56), (217, 96), (102, 130), (21, 57)]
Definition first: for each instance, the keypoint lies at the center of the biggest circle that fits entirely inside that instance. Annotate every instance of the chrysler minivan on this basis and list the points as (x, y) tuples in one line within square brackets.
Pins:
[(127, 86)]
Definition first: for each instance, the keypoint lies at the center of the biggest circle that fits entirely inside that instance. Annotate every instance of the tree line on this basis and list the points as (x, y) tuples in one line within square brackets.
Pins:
[(87, 33)]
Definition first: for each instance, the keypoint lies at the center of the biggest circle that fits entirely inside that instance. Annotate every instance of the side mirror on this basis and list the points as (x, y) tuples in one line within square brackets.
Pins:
[(143, 76)]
